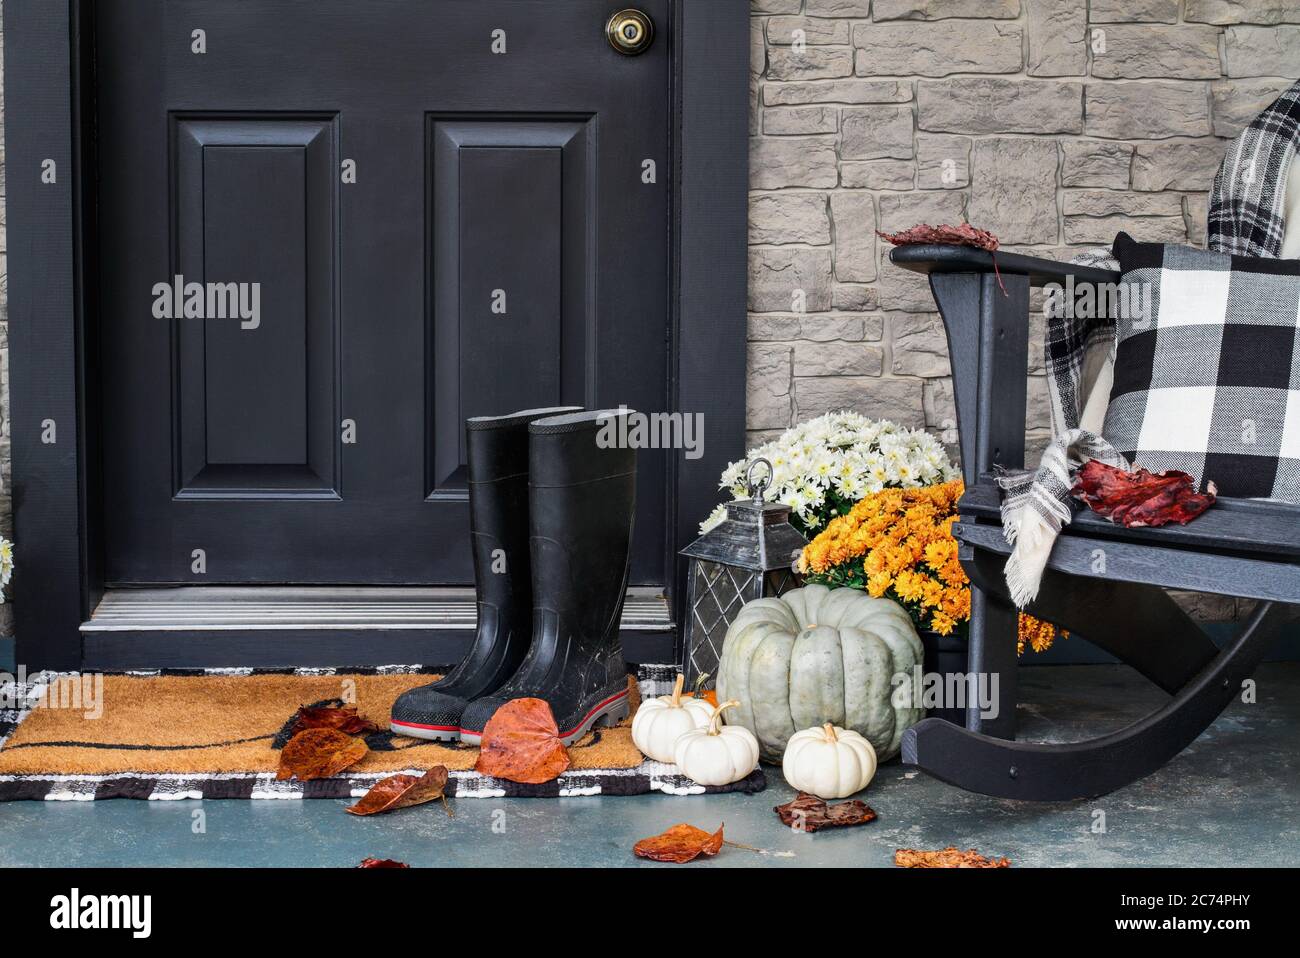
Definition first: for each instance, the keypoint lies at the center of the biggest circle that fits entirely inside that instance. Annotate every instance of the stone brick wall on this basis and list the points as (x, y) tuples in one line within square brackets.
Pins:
[(1053, 123)]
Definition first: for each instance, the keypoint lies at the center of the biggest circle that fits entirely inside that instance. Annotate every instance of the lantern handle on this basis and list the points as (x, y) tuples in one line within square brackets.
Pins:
[(758, 488)]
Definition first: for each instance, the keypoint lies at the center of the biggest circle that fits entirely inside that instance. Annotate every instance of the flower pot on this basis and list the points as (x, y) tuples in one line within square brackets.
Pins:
[(945, 655)]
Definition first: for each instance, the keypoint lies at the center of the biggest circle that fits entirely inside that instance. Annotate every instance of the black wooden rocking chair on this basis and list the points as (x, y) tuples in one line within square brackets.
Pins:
[(1243, 548)]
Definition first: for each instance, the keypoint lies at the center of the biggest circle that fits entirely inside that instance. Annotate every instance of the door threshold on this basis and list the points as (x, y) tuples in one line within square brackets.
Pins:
[(216, 608), (317, 626)]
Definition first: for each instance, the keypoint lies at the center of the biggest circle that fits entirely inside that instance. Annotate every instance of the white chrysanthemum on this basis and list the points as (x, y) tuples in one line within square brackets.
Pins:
[(845, 453), (795, 498), (733, 475), (934, 458), (851, 487), (6, 564), (714, 519)]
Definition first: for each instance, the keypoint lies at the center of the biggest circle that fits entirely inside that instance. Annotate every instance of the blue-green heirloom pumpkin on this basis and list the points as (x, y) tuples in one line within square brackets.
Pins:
[(818, 655)]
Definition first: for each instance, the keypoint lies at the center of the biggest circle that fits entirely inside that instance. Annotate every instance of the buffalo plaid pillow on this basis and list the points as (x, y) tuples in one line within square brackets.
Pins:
[(1207, 372)]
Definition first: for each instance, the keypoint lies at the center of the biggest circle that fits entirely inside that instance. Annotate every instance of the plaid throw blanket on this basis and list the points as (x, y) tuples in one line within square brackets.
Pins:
[(1080, 358), (1246, 217), (1246, 205)]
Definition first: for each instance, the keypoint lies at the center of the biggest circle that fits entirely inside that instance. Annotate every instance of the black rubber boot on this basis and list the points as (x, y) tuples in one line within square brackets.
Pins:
[(498, 514), (581, 501)]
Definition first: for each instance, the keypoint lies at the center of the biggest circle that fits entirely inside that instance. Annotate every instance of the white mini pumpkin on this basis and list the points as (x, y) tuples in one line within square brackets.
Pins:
[(660, 721), (717, 754), (829, 762)]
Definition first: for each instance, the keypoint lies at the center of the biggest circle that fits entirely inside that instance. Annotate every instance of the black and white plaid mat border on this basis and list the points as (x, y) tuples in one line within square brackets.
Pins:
[(648, 777)]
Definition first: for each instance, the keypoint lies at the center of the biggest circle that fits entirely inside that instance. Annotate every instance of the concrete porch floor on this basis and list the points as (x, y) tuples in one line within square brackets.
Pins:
[(1230, 799)]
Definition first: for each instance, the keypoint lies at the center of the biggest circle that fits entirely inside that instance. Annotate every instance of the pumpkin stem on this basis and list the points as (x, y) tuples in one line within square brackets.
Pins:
[(677, 690), (829, 729), (714, 725)]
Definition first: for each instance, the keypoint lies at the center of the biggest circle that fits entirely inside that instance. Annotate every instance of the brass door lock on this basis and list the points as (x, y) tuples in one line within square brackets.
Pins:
[(630, 32)]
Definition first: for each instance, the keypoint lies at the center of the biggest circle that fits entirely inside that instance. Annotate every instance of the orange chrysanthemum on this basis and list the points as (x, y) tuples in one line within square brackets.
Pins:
[(899, 543)]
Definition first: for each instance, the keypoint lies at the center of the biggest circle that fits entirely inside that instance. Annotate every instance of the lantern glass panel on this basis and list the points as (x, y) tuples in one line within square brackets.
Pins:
[(717, 594), (779, 582), (744, 557)]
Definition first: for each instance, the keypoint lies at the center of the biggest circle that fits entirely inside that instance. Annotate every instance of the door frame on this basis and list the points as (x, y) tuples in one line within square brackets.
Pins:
[(53, 335)]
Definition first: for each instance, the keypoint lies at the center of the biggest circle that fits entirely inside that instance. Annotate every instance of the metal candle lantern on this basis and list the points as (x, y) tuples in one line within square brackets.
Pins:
[(747, 556)]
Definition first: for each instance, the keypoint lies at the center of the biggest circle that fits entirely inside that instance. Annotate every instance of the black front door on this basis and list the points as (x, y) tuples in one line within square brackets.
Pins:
[(330, 231)]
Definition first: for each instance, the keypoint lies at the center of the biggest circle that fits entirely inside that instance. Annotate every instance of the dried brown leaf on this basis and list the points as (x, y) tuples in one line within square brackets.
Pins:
[(961, 235), (808, 813), (319, 753), (402, 791), (521, 743), (950, 857), (382, 863), (681, 843), (1141, 498), (345, 719)]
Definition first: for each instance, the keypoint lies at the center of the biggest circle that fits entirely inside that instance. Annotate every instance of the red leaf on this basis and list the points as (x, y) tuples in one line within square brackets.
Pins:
[(401, 791), (319, 753), (521, 743), (1141, 498), (681, 843), (962, 235), (808, 813), (344, 719), (382, 863)]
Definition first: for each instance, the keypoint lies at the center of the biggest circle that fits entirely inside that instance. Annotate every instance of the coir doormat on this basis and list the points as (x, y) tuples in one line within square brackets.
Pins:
[(176, 734)]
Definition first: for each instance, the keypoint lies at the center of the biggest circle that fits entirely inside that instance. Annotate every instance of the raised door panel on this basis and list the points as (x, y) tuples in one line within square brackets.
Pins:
[(510, 205), (253, 290)]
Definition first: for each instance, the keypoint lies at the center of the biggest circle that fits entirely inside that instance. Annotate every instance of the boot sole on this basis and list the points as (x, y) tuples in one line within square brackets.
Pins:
[(608, 714), (430, 733)]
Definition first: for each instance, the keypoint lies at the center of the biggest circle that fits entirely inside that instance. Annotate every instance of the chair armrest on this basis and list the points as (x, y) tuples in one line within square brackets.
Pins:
[(967, 259)]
